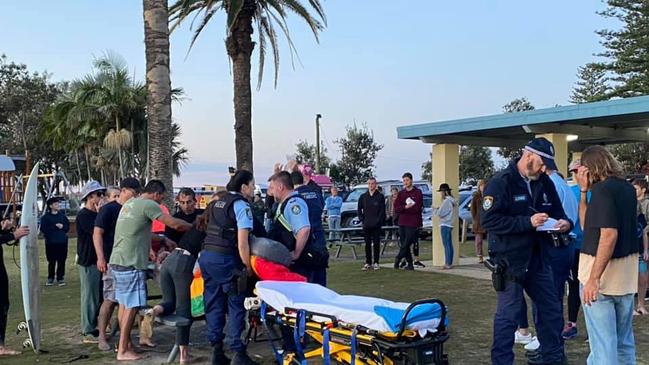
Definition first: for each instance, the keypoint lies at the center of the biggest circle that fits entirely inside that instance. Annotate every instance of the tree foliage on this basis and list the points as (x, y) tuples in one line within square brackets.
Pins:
[(358, 151), (626, 54), (625, 67), (427, 169), (514, 106), (24, 98), (591, 85), (306, 154), (475, 163), (269, 18), (99, 117)]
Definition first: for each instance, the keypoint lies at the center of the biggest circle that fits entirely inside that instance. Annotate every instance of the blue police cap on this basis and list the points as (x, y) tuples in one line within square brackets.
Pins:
[(545, 149)]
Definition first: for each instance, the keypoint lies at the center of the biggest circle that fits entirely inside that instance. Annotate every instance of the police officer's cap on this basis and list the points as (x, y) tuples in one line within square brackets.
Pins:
[(545, 149)]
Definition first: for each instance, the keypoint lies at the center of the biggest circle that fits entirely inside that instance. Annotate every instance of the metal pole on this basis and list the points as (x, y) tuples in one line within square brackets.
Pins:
[(317, 143)]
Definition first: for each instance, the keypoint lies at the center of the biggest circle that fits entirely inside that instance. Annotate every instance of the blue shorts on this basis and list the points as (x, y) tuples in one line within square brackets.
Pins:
[(130, 288), (643, 266)]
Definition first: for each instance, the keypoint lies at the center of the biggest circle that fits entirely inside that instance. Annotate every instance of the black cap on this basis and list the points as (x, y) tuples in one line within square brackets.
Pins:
[(545, 149), (54, 199), (130, 183), (444, 187)]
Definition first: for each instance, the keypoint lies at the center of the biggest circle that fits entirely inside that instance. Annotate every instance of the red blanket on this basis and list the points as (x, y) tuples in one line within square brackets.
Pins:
[(267, 270)]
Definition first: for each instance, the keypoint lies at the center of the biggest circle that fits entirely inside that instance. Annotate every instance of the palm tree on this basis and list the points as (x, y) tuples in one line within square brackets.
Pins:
[(242, 17), (114, 95), (158, 82)]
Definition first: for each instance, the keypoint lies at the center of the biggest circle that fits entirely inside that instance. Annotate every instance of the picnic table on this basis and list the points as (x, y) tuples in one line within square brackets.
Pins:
[(352, 236)]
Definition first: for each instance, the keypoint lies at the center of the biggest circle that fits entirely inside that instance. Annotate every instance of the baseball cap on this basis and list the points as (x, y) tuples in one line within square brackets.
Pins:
[(90, 187), (130, 183), (306, 170), (574, 165), (544, 149), (53, 200)]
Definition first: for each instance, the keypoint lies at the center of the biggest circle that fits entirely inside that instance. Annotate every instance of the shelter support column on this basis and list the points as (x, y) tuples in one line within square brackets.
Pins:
[(445, 169), (560, 142)]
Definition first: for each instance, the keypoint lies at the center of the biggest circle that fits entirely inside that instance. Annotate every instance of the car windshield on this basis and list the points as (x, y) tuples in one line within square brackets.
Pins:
[(355, 194)]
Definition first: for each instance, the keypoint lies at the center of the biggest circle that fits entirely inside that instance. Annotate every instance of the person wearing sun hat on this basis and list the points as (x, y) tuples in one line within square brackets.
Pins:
[(89, 276), (445, 214)]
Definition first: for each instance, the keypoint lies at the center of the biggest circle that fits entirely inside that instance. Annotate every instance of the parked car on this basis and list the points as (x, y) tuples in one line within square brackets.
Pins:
[(348, 212), (464, 212)]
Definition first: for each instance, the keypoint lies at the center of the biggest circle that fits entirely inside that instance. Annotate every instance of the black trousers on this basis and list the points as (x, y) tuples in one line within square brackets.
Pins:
[(574, 302), (407, 237), (56, 255), (4, 298), (372, 237), (176, 275)]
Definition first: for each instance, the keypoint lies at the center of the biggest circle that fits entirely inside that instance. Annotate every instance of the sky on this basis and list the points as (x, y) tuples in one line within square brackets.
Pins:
[(380, 63)]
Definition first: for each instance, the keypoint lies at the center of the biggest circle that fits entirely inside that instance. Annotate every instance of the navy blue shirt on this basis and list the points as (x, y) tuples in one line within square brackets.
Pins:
[(54, 235), (314, 200), (107, 220), (508, 204)]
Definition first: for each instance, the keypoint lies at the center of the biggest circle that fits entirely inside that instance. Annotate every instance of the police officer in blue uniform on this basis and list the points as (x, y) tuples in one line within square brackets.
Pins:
[(517, 204), (225, 263), (291, 224), (312, 195)]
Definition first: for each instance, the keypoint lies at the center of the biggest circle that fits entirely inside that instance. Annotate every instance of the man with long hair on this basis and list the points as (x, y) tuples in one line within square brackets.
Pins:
[(608, 262)]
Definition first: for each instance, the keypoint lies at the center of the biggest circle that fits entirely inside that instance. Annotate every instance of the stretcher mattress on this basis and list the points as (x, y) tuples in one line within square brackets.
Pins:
[(374, 313)]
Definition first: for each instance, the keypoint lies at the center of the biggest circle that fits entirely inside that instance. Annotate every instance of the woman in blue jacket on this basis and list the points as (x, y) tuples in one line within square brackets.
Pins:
[(333, 204), (55, 226)]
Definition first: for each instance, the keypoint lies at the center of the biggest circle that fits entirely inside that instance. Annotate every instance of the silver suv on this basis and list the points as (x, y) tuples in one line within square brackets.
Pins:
[(348, 212)]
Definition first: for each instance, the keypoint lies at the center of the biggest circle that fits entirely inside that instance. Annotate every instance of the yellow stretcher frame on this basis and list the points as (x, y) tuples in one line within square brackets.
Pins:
[(373, 347)]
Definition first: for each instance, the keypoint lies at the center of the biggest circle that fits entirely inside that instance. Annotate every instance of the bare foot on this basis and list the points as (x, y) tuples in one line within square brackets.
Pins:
[(128, 356), (5, 351), (103, 344), (186, 360), (146, 342)]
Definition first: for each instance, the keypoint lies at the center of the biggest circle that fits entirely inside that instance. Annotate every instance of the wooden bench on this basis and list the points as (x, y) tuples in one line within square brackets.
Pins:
[(353, 236)]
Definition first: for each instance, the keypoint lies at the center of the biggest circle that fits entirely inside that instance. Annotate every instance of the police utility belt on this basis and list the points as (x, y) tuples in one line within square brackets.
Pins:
[(499, 274)]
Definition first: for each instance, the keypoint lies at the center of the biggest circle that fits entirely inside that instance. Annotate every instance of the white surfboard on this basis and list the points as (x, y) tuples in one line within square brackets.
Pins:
[(29, 263)]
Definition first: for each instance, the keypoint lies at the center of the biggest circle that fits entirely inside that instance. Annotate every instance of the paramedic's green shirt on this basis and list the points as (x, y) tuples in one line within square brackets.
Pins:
[(133, 233)]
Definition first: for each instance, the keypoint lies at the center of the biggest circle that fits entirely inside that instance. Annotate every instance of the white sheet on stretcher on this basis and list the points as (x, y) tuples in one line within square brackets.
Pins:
[(347, 308)]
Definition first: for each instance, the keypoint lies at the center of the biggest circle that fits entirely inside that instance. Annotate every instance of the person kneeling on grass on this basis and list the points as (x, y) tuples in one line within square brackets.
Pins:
[(130, 256)]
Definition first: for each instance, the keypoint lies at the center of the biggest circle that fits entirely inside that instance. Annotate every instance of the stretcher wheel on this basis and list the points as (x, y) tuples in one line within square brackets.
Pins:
[(28, 344), (21, 327)]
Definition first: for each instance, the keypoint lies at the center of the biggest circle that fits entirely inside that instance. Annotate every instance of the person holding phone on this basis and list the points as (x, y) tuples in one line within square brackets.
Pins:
[(409, 206)]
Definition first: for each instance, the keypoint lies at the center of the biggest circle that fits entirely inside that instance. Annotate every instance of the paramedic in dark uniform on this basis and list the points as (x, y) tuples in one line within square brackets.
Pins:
[(291, 224), (517, 204), (224, 259)]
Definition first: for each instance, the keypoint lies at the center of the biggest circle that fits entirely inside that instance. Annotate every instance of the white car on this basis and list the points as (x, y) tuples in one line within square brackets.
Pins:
[(348, 212)]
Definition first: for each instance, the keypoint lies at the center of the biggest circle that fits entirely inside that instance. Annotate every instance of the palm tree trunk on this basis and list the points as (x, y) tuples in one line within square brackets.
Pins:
[(87, 163), (119, 149), (76, 153), (158, 82), (239, 45)]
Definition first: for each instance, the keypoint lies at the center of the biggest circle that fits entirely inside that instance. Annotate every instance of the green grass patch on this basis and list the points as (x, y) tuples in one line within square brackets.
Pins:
[(471, 304)]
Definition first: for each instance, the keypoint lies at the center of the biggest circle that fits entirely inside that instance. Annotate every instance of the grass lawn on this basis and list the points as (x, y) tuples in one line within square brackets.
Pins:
[(471, 305)]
